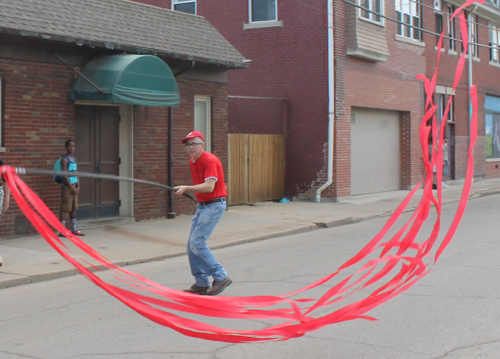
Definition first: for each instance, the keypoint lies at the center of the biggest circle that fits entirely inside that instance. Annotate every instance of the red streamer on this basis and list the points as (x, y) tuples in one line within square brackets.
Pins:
[(402, 256)]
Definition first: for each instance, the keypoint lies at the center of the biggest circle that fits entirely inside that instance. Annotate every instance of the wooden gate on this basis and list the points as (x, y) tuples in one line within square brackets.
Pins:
[(256, 168)]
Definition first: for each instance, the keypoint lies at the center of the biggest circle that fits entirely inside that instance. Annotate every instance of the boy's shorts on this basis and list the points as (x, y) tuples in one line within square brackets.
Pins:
[(69, 201)]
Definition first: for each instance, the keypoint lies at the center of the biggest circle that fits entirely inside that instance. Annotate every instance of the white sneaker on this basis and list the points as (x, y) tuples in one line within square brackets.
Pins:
[(445, 185), (1, 261)]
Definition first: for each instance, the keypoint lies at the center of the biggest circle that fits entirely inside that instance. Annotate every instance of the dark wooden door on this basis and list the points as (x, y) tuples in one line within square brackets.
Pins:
[(97, 151)]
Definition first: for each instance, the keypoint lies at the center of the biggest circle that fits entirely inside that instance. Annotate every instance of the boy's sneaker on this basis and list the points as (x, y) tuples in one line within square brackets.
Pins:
[(78, 233)]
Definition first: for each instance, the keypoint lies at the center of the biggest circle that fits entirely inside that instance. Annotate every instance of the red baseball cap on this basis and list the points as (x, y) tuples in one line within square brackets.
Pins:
[(192, 135)]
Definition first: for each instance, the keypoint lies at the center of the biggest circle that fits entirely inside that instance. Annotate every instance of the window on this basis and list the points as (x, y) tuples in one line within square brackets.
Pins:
[(492, 135), (408, 12), (188, 6), (202, 119), (474, 30), (263, 10), (373, 5), (439, 25), (494, 43), (451, 28), (441, 103)]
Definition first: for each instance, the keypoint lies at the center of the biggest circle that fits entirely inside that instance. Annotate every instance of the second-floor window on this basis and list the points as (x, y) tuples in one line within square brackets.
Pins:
[(373, 5), (408, 13), (474, 29), (188, 6), (451, 28), (439, 26), (494, 43), (263, 10)]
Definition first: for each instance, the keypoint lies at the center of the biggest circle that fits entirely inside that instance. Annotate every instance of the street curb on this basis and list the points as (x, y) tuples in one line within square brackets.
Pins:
[(307, 228)]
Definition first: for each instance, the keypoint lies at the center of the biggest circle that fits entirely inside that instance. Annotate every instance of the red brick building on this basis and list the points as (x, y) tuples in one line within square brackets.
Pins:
[(378, 102), (44, 46)]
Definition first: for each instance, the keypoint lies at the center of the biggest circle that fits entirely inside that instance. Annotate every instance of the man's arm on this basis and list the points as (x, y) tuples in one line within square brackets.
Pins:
[(206, 187)]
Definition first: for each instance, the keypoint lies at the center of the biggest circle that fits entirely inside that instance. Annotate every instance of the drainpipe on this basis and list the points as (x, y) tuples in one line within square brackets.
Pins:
[(331, 101), (469, 28)]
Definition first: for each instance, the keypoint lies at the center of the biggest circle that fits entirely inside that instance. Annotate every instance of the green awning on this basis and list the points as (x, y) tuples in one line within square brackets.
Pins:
[(136, 79)]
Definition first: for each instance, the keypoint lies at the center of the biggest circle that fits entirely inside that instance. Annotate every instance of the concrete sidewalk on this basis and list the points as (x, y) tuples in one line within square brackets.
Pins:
[(30, 259)]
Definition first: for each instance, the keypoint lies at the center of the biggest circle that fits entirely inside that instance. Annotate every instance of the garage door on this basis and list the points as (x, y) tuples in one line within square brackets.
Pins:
[(375, 151)]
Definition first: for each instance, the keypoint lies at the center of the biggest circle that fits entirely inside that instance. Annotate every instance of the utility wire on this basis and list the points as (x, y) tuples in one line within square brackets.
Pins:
[(447, 13), (403, 23), (415, 27)]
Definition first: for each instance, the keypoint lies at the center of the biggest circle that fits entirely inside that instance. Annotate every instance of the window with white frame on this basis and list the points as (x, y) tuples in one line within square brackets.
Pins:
[(203, 118), (441, 103), (494, 43), (188, 6), (408, 12), (372, 5), (474, 30), (451, 28), (263, 10)]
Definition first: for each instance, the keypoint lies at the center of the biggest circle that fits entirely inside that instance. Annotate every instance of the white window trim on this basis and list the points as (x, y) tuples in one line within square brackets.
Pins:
[(409, 41), (176, 2), (451, 30), (262, 21), (412, 29), (208, 136), (263, 25), (370, 20), (494, 46)]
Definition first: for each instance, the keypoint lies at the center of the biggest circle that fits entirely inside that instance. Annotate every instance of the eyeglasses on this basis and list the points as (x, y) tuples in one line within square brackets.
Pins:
[(188, 145)]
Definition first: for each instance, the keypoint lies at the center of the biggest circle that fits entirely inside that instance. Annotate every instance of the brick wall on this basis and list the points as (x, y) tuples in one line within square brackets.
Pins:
[(37, 120)]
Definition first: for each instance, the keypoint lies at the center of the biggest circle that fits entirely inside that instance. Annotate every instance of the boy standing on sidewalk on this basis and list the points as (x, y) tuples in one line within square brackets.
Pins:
[(210, 191), (69, 189)]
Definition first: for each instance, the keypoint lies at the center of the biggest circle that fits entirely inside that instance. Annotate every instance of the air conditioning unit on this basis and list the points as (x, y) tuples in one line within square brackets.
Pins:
[(437, 5)]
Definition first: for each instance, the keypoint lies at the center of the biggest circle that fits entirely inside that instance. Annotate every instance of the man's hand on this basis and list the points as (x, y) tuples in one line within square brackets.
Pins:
[(180, 190), (74, 190)]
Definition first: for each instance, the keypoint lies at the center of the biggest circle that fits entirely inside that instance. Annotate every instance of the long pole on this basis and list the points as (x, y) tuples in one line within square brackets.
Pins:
[(36, 171)]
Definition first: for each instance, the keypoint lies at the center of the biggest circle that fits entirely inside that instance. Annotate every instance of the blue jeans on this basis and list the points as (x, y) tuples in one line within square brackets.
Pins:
[(201, 259)]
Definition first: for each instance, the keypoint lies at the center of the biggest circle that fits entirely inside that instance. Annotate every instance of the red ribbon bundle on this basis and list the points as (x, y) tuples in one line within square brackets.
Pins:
[(403, 256)]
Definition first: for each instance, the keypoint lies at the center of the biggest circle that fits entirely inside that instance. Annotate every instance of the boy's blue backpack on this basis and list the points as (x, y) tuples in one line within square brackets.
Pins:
[(58, 167)]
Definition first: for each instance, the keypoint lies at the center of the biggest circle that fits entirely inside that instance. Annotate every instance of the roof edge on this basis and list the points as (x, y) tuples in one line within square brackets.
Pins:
[(113, 46)]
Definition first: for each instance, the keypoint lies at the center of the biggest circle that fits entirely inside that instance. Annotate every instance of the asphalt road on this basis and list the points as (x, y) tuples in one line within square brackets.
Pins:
[(451, 313)]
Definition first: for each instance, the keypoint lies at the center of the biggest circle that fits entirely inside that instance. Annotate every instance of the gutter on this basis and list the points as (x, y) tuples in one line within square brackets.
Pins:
[(331, 100)]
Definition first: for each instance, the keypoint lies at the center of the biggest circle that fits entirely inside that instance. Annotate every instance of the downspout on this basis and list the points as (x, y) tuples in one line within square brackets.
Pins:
[(469, 63), (331, 101)]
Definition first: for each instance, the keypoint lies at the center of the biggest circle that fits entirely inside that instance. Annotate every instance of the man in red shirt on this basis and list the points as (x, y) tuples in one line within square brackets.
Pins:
[(210, 190)]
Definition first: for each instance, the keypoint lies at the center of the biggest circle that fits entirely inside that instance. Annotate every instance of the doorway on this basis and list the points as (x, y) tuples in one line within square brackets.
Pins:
[(97, 151)]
